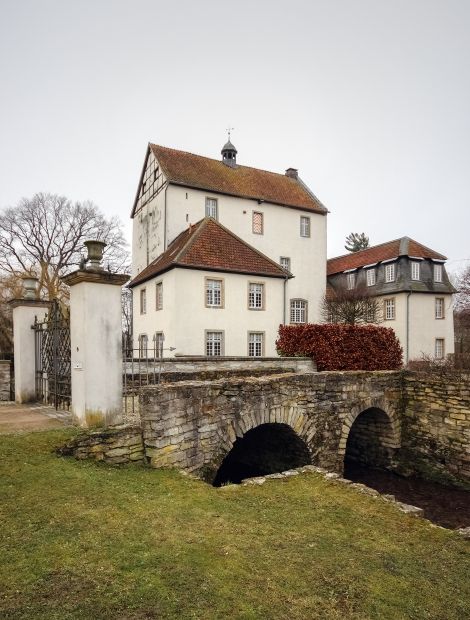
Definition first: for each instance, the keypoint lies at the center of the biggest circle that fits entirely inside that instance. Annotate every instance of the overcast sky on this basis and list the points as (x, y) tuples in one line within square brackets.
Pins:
[(369, 99)]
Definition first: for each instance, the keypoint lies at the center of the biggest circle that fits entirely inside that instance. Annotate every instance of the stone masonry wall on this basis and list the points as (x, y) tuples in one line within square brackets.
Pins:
[(193, 425), (114, 445), (4, 380), (436, 423)]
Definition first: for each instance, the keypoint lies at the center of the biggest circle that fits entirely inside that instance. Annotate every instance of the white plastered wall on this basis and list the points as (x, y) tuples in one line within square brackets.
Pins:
[(424, 328), (184, 318), (281, 236)]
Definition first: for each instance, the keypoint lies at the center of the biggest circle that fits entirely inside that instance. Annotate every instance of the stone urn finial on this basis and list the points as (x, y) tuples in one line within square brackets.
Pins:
[(30, 283), (95, 253)]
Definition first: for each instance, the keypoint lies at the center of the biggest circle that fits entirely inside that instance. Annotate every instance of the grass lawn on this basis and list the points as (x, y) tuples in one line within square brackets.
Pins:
[(82, 540)]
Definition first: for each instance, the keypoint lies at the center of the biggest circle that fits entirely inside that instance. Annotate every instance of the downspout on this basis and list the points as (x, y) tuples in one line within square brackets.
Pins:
[(285, 300), (407, 355), (164, 225)]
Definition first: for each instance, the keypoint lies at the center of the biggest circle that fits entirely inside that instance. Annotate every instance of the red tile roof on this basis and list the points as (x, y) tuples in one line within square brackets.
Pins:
[(189, 170), (210, 246), (385, 251)]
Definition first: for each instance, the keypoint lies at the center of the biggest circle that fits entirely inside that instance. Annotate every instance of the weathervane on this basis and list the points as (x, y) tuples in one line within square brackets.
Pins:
[(229, 129)]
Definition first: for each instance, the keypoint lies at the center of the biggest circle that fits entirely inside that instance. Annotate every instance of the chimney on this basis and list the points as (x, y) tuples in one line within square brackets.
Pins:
[(293, 173)]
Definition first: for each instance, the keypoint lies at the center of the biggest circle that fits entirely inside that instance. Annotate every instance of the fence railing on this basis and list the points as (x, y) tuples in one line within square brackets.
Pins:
[(140, 368)]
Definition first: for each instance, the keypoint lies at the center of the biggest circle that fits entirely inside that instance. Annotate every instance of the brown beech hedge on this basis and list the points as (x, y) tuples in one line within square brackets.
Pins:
[(341, 346)]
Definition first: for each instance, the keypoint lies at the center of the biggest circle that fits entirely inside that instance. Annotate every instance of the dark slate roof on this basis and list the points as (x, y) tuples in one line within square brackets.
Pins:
[(210, 246)]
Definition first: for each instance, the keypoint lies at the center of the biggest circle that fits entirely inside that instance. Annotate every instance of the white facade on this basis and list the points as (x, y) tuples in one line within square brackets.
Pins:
[(185, 318), (417, 325)]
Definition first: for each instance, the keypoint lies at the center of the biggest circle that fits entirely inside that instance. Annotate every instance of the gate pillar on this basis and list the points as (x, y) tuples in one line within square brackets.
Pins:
[(24, 313), (96, 344)]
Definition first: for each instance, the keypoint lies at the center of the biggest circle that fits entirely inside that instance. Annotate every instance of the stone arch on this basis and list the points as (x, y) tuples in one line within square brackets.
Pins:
[(380, 421), (285, 418)]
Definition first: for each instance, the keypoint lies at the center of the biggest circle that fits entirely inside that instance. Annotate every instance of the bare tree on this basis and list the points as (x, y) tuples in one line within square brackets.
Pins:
[(356, 242), (353, 306), (462, 319), (10, 287), (45, 234)]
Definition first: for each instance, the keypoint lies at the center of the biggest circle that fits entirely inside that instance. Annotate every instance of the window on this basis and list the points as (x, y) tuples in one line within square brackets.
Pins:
[(285, 262), (304, 226), (371, 277), (298, 311), (258, 223), (351, 280), (439, 348), (214, 344), (214, 293), (143, 345), (390, 272), (143, 301), (437, 273), (439, 308), (159, 296), (158, 340), (255, 344), (415, 270), (211, 208), (389, 309), (256, 296)]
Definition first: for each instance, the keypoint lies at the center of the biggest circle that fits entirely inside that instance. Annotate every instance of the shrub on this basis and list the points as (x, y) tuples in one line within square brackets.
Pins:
[(342, 346)]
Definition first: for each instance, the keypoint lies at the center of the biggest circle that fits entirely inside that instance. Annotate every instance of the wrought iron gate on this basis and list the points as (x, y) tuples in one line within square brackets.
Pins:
[(52, 355)]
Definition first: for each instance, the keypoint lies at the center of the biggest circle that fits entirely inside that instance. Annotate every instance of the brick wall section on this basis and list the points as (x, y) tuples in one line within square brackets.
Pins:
[(114, 445), (436, 422), (193, 425), (4, 380)]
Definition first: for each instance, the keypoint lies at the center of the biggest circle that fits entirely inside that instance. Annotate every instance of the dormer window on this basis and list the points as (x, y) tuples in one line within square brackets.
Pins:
[(415, 270), (438, 273), (351, 280), (371, 277), (390, 272)]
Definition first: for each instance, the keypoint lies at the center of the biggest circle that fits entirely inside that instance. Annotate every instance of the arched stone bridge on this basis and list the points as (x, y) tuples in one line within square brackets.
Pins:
[(194, 425)]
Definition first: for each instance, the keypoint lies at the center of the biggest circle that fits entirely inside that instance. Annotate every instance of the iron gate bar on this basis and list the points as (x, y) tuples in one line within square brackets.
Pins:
[(53, 357)]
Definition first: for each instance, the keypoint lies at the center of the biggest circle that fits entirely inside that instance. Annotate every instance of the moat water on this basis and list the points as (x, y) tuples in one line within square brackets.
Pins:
[(446, 506)]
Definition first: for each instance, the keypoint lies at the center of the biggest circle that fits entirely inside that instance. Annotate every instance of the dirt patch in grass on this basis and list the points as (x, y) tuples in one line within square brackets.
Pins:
[(82, 540)]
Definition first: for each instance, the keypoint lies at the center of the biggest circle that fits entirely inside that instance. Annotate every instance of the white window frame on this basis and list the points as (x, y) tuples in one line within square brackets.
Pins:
[(351, 280), (415, 270), (257, 217), (143, 301), (389, 309), (439, 348), (371, 276), (255, 295), (437, 272), (214, 293), (159, 296), (298, 311), (212, 208), (255, 344), (439, 308), (159, 341), (214, 343), (284, 261), (143, 346), (304, 226), (390, 272)]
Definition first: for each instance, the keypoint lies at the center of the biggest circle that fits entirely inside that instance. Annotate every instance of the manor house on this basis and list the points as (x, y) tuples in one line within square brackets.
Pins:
[(222, 255)]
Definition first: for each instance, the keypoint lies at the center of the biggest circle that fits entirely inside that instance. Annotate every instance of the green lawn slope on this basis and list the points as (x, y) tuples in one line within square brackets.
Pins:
[(86, 541)]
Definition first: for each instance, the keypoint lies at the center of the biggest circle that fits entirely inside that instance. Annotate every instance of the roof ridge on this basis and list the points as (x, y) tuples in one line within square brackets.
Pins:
[(369, 248), (280, 174), (192, 236), (239, 239)]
